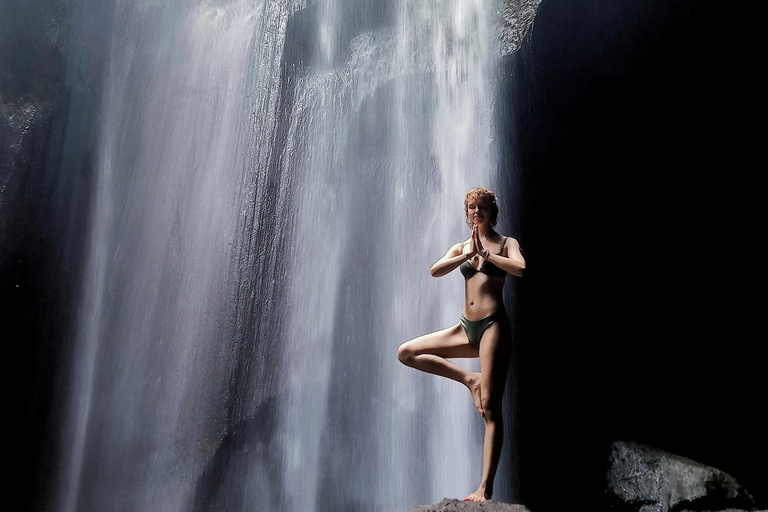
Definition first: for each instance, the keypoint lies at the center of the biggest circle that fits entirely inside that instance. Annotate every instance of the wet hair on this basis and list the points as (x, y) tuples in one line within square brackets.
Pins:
[(476, 194)]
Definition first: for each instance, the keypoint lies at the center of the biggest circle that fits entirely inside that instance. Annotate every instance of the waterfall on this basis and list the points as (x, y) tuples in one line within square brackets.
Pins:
[(391, 139), (272, 180)]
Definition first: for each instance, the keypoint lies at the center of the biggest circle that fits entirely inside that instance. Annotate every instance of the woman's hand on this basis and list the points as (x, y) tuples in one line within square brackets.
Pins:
[(472, 245), (477, 243)]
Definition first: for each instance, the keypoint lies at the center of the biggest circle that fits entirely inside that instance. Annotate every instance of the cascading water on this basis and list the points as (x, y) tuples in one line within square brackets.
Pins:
[(153, 378), (393, 137), (272, 181)]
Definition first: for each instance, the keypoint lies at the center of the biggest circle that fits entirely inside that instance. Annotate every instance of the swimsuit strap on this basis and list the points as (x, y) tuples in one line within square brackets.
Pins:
[(503, 244)]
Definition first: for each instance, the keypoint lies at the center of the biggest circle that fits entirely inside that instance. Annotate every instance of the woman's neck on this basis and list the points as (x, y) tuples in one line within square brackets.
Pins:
[(485, 231)]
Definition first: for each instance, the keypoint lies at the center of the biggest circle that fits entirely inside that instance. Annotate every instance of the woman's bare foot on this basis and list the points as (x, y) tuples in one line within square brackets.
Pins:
[(478, 495), (474, 387)]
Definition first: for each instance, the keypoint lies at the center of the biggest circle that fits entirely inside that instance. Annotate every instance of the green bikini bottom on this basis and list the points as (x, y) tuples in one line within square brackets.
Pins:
[(476, 328)]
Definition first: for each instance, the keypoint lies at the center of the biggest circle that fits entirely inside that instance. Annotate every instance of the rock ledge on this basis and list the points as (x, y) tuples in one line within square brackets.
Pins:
[(452, 505)]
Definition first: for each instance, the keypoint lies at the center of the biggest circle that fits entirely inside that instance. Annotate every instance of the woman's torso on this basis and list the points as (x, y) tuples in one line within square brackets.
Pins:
[(483, 283)]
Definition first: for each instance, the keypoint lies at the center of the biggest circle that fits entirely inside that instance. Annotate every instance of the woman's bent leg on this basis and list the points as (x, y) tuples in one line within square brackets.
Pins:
[(494, 362), (428, 353)]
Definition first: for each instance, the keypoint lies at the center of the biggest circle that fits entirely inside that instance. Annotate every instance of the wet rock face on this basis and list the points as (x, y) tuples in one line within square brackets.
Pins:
[(33, 38), (644, 479), (448, 505), (24, 133), (516, 18)]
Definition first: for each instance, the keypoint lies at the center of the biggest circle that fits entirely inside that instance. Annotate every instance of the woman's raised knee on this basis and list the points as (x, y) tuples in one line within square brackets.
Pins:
[(405, 354)]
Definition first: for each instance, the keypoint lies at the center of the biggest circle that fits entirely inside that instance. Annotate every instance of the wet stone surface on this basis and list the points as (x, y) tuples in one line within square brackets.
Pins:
[(452, 505)]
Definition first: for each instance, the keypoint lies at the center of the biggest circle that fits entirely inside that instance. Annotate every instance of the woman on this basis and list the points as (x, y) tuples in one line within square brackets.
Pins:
[(483, 329)]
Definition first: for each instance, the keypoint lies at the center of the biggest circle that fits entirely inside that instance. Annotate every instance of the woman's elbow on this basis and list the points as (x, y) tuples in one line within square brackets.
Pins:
[(437, 270)]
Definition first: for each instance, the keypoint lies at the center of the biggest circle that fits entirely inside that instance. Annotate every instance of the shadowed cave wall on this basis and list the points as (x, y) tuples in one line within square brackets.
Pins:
[(634, 142)]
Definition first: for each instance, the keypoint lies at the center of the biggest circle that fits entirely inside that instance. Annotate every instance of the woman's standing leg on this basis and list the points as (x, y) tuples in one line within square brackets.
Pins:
[(495, 351)]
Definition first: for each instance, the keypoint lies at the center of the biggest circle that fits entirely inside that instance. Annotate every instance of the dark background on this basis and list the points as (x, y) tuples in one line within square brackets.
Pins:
[(633, 136)]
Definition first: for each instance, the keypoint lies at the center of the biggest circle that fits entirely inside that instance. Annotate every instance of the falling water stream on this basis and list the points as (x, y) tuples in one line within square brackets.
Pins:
[(271, 181)]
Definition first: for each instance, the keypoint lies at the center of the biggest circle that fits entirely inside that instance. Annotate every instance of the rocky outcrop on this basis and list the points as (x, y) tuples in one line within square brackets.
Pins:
[(645, 479), (515, 21), (449, 505)]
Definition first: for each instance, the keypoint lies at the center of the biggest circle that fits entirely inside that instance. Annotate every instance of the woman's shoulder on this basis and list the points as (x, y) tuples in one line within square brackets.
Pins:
[(509, 242)]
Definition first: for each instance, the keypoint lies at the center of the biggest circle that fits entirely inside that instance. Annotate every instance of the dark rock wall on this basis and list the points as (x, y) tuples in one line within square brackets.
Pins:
[(630, 133), (44, 186)]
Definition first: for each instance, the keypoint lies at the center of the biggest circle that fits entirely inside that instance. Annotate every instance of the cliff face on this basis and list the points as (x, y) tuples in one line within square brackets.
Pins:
[(41, 209), (25, 129), (32, 74)]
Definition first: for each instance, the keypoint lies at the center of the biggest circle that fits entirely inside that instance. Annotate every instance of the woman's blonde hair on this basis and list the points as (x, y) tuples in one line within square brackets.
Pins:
[(476, 194)]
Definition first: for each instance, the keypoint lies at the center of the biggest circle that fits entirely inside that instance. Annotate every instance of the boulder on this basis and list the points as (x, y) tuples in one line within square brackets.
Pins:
[(645, 479)]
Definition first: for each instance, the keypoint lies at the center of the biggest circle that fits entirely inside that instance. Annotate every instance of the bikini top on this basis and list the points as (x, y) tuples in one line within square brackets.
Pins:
[(487, 268)]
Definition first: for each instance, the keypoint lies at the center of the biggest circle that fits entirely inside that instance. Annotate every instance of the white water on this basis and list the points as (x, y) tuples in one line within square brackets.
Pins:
[(256, 263), (387, 202)]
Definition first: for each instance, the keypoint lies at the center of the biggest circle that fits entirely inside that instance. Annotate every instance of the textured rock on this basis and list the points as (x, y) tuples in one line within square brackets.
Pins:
[(448, 505), (24, 135), (644, 479), (516, 19)]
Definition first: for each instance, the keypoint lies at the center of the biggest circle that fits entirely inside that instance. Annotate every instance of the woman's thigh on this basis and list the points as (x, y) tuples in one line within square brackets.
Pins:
[(450, 342)]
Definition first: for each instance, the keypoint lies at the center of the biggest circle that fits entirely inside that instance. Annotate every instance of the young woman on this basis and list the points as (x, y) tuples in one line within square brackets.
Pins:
[(483, 330)]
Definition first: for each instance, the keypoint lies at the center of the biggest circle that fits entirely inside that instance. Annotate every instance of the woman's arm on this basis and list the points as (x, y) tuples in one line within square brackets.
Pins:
[(452, 259), (510, 260)]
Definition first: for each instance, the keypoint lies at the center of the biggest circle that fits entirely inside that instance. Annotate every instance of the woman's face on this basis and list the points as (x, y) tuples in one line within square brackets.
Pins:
[(479, 210)]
